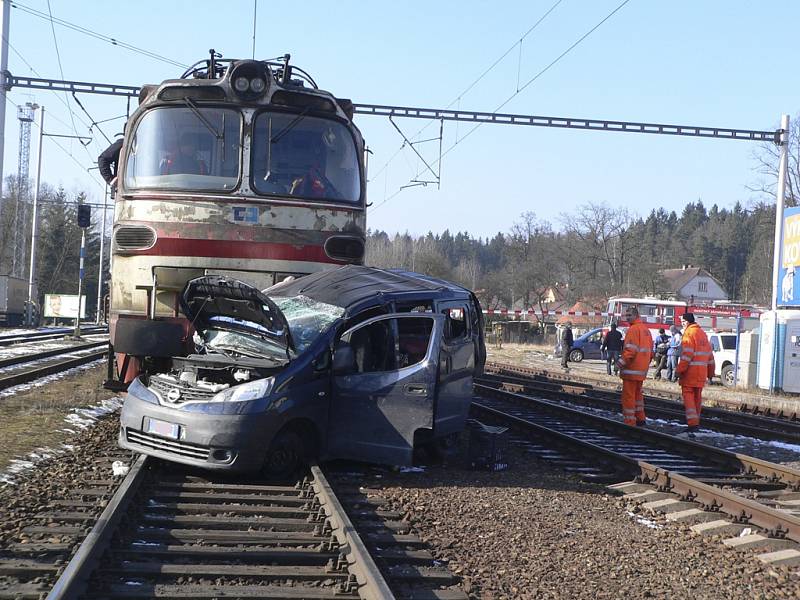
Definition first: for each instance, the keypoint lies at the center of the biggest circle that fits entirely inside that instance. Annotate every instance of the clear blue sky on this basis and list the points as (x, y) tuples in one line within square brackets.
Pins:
[(727, 63)]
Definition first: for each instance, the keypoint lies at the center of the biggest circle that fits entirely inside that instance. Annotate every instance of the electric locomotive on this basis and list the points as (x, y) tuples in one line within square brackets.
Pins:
[(239, 168)]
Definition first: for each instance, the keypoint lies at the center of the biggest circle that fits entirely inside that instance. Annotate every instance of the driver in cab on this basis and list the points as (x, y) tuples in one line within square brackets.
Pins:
[(185, 160), (314, 183)]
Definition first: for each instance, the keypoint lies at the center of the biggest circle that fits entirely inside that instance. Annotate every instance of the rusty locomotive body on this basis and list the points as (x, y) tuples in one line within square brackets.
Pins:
[(241, 168)]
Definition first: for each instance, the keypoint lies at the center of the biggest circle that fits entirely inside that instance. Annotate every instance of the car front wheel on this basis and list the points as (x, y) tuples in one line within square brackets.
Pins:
[(285, 455), (727, 376)]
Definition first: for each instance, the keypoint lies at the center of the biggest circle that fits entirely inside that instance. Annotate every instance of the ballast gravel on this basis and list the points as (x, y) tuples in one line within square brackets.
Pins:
[(534, 531)]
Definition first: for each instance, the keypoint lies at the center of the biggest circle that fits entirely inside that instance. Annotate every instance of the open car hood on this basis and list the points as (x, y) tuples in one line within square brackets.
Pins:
[(219, 302)]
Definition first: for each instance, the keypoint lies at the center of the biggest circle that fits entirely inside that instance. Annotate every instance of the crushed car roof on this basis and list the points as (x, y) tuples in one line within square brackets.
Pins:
[(353, 286)]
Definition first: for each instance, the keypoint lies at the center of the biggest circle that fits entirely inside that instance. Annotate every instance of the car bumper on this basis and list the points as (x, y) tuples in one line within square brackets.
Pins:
[(217, 442)]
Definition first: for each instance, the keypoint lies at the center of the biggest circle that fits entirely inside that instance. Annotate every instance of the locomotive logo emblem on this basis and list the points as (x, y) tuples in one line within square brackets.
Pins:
[(174, 395)]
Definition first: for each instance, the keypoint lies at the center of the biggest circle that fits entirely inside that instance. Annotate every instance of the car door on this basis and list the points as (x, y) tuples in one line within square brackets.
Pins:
[(456, 368), (591, 349), (387, 394)]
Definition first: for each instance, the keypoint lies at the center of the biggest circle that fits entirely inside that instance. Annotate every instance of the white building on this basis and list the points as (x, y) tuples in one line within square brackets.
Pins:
[(693, 285)]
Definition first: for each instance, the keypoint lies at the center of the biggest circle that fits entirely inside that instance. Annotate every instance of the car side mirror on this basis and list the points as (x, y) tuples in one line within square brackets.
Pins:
[(344, 359)]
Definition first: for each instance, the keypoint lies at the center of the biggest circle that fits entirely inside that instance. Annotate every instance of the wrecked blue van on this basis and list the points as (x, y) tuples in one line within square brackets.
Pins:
[(355, 363)]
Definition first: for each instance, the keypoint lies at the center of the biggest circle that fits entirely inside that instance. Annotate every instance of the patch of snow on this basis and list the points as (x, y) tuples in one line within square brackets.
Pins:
[(49, 378), (643, 521), (119, 468), (82, 417), (412, 470)]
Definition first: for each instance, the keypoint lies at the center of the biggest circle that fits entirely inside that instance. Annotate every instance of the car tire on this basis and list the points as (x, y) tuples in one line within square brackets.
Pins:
[(285, 456), (576, 355), (727, 376)]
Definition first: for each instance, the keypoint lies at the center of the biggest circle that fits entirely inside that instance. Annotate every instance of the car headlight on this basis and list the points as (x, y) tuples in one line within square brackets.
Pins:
[(246, 391)]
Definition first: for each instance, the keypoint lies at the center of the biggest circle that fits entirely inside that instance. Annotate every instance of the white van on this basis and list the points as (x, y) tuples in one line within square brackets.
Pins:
[(724, 347)]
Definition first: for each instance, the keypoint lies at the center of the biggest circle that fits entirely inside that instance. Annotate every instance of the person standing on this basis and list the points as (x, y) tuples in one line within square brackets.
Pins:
[(636, 354), (612, 346), (694, 367), (566, 344), (660, 349), (673, 352)]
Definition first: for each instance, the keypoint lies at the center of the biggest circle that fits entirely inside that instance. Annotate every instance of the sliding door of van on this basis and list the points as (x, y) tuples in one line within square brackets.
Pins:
[(384, 386)]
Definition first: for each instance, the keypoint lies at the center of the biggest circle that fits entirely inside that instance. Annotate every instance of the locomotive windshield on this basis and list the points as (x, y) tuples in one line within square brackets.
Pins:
[(308, 157), (185, 148)]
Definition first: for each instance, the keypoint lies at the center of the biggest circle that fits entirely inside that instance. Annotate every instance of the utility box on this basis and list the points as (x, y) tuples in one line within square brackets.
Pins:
[(779, 351), (488, 446), (13, 297)]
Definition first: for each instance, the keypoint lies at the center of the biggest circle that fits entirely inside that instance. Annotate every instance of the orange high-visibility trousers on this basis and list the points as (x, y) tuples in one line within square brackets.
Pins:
[(632, 402), (692, 401)]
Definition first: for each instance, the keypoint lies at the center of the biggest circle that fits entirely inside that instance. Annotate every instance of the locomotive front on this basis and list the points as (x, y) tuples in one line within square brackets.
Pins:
[(241, 168)]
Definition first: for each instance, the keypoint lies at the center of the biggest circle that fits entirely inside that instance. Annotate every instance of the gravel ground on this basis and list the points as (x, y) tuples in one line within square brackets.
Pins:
[(535, 532), (36, 487), (41, 416)]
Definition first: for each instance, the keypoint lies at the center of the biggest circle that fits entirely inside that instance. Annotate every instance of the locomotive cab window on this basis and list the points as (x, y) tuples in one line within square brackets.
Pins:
[(189, 148), (306, 157)]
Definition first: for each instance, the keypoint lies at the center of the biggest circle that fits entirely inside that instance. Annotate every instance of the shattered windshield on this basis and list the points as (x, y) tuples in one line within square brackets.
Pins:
[(307, 318), (233, 342)]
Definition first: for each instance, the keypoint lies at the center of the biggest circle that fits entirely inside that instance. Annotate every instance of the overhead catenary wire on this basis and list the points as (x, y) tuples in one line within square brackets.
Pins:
[(105, 38), (489, 69), (60, 67), (514, 95)]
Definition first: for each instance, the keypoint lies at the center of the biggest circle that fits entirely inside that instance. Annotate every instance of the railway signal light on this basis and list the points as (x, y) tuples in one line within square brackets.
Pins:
[(84, 215)]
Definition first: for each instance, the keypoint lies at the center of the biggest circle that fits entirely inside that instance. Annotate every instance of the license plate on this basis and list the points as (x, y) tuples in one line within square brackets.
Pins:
[(162, 428)]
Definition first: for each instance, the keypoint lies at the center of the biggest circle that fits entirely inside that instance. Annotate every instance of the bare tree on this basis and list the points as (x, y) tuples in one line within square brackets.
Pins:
[(767, 157), (599, 231)]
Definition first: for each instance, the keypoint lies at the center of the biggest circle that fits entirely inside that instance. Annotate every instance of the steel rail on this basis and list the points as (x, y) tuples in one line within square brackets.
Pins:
[(590, 395), (26, 358), (371, 584), (73, 581), (742, 510), (728, 407), (748, 464), (9, 340), (49, 369)]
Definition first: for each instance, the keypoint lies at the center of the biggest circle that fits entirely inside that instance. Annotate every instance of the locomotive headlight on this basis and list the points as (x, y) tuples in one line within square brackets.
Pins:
[(241, 84), (253, 390), (258, 85)]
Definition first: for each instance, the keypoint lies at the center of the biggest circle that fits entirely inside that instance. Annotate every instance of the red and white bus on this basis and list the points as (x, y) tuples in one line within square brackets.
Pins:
[(656, 313)]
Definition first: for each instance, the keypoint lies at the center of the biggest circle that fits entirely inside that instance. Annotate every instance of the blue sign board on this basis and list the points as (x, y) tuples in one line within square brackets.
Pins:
[(788, 291)]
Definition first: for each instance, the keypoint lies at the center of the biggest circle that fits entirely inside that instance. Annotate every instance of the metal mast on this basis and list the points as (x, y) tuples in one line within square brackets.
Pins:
[(25, 115)]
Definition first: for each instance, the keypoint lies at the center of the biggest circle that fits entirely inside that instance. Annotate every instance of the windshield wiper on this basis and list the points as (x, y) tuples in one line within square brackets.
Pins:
[(291, 125), (193, 107)]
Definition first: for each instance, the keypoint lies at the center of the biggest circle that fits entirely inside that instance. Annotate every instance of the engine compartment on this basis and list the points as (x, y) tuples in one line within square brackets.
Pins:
[(213, 373)]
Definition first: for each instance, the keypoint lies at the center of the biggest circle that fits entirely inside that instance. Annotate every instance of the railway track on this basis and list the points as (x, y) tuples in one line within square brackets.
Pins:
[(40, 336), (167, 533), (92, 351), (690, 479), (742, 405), (580, 393), (723, 409)]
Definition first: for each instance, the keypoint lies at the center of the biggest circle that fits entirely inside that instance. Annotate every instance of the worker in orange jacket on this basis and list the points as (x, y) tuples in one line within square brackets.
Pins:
[(633, 365), (695, 366)]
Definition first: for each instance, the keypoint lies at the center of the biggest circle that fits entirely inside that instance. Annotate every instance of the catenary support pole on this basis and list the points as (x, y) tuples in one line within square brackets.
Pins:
[(780, 196), (5, 16), (32, 297), (77, 332), (102, 252)]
